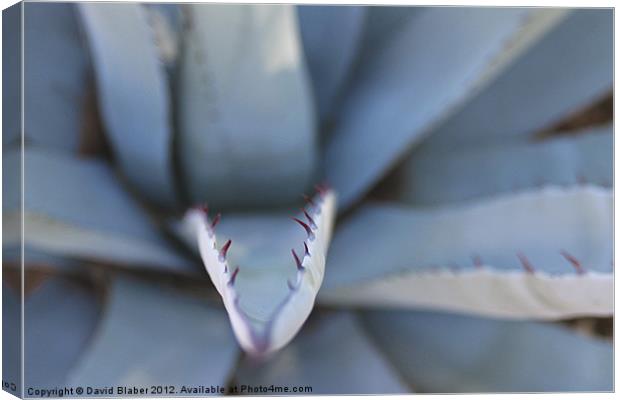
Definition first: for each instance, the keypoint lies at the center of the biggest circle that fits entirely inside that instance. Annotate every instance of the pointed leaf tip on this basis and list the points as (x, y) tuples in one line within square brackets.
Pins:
[(290, 309)]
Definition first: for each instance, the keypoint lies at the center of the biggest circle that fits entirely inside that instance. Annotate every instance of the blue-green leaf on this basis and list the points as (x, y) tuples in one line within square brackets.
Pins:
[(60, 319), (430, 178), (381, 23), (133, 95), (154, 335), (566, 70), (77, 207), (330, 36), (55, 75), (443, 353), (245, 111), (11, 74), (411, 85)]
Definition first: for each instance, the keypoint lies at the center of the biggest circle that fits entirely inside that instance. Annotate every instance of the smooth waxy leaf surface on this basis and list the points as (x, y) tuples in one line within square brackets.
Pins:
[(133, 95), (153, 335), (60, 319), (55, 75), (245, 111), (437, 178), (381, 24), (411, 85), (11, 74), (447, 353), (330, 37), (562, 72)]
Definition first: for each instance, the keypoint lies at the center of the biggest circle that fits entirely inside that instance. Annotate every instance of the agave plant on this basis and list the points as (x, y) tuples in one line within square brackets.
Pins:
[(459, 237)]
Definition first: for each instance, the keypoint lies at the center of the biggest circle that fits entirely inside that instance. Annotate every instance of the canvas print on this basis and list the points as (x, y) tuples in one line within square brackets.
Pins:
[(278, 199)]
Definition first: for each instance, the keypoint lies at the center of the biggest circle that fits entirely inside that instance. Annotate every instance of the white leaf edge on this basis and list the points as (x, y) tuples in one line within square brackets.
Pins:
[(64, 239), (293, 311), (487, 292)]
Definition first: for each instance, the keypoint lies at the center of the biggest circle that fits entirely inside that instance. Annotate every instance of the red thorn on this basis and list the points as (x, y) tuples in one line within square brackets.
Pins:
[(581, 179), (309, 200), (525, 263), (477, 261), (574, 262), (310, 220), (225, 249), (204, 208), (216, 220), (306, 249), (297, 260), (233, 276), (321, 188), (305, 226)]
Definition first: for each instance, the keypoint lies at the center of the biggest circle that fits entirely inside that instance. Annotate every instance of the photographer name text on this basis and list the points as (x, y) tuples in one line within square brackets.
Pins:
[(154, 390)]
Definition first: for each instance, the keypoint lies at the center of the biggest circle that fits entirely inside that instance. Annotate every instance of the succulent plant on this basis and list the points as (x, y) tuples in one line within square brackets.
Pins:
[(459, 237)]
